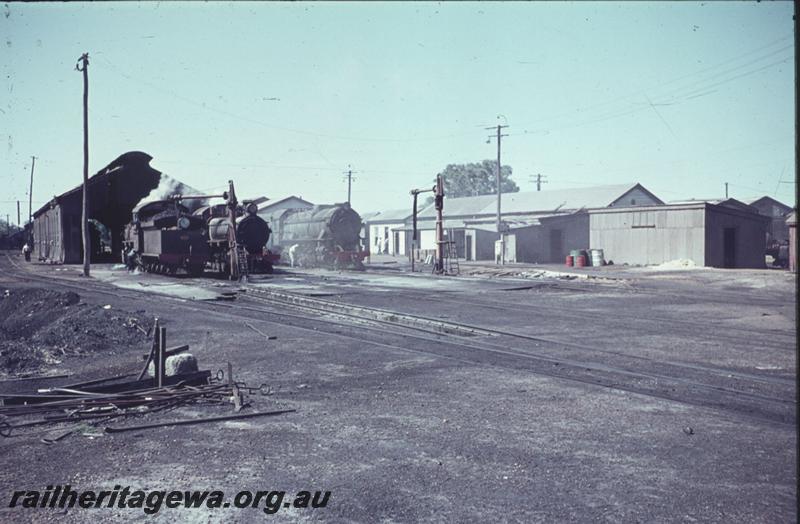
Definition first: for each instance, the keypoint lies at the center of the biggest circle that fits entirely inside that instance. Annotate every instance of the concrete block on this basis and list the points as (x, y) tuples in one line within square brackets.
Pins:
[(176, 365)]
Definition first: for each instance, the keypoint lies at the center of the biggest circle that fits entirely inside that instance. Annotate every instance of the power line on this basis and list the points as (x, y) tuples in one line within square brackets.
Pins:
[(280, 128), (620, 113), (674, 80)]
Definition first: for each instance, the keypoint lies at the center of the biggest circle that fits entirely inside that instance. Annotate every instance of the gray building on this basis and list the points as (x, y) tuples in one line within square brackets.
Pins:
[(541, 226), (777, 230), (727, 234), (271, 211), (386, 231)]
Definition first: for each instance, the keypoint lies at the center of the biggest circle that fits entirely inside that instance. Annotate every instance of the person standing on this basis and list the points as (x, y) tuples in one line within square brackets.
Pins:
[(26, 251)]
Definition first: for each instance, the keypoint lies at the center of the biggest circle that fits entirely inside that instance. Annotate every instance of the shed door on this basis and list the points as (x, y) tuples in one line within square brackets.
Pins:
[(729, 247)]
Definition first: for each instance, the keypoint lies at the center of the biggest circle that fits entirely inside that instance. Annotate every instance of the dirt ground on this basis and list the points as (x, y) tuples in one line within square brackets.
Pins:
[(41, 327), (634, 396)]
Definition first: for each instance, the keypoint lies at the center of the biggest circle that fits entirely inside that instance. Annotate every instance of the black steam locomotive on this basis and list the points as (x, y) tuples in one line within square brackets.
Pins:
[(164, 237), (324, 235), (252, 234)]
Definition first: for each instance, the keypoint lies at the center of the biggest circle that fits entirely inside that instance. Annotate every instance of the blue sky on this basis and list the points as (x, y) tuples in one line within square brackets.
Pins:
[(281, 97)]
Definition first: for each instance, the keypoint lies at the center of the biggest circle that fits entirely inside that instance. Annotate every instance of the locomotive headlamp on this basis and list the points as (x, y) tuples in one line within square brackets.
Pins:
[(184, 223)]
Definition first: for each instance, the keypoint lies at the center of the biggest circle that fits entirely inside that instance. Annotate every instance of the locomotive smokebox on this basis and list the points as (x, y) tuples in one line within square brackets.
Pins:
[(345, 226), (253, 233)]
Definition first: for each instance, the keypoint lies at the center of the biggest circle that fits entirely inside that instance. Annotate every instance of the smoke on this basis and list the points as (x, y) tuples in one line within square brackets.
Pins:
[(168, 186)]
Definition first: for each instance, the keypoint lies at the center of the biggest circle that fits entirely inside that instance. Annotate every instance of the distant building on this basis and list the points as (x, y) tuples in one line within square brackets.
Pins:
[(271, 211), (727, 234), (541, 226), (777, 229), (386, 231)]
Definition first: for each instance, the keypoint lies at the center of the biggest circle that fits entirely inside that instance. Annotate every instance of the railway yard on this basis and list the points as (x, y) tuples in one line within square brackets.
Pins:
[(614, 394)]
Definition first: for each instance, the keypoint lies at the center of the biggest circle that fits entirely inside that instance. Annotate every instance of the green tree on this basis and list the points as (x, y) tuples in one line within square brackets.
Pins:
[(462, 180)]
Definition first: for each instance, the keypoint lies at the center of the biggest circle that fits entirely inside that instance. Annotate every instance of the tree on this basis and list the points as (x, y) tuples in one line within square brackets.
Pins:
[(462, 180)]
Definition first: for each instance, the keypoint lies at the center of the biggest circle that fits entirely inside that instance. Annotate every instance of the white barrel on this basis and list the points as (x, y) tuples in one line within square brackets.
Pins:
[(596, 256)]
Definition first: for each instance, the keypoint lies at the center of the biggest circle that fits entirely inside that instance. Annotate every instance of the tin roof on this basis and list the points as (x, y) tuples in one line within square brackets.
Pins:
[(392, 215), (535, 201)]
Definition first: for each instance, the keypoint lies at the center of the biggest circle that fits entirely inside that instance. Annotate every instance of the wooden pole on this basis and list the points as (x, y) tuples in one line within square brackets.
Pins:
[(84, 68)]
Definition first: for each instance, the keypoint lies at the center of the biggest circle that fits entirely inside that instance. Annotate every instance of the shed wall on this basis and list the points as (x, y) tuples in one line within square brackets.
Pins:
[(484, 244), (574, 232), (649, 237), (749, 239)]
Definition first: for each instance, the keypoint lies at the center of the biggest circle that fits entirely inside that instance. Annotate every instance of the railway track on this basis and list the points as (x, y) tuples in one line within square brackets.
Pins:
[(750, 396), (641, 323)]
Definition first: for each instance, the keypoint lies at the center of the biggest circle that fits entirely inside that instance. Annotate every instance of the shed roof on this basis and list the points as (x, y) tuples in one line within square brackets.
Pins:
[(272, 203), (536, 201), (768, 199), (392, 215)]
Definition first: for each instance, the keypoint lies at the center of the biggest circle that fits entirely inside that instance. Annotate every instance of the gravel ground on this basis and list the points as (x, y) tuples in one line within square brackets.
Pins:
[(399, 435)]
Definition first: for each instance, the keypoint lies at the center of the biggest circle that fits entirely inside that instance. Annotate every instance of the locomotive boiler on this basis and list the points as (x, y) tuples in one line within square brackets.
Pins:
[(324, 235)]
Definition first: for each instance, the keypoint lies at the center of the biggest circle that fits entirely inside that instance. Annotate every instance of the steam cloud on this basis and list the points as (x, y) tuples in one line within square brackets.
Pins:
[(168, 186)]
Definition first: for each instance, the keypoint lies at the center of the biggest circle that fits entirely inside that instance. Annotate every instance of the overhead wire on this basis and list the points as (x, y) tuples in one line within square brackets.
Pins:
[(208, 107)]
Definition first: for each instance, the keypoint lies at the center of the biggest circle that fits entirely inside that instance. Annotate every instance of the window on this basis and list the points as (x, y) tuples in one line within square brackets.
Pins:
[(643, 219)]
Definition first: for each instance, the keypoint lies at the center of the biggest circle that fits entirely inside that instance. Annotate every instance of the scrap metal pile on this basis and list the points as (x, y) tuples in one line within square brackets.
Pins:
[(82, 406)]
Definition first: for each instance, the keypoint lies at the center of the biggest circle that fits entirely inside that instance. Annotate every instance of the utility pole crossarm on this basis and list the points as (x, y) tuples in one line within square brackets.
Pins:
[(540, 179)]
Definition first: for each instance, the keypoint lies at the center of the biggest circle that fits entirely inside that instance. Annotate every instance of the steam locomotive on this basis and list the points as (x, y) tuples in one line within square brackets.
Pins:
[(252, 234), (324, 235), (164, 237)]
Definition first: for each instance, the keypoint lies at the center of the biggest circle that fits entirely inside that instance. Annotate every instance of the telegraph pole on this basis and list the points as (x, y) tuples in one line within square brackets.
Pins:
[(18, 223), (30, 192), (83, 66), (350, 179), (539, 181), (726, 190), (499, 225)]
